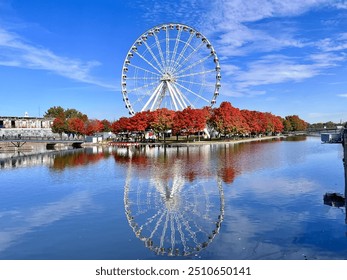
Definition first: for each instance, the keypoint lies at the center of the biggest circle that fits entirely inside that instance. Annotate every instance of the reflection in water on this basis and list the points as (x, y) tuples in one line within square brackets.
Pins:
[(57, 159), (174, 198), (167, 207), (78, 157), (253, 200)]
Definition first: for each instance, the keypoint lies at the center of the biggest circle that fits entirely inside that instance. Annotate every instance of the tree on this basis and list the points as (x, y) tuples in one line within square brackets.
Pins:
[(93, 126), (162, 120), (59, 126), (55, 112), (189, 121), (121, 125), (278, 124), (273, 123), (107, 126), (228, 120), (296, 123), (73, 113), (287, 125), (76, 126)]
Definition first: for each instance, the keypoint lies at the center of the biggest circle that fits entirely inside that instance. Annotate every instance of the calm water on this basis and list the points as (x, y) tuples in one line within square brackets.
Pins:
[(260, 200)]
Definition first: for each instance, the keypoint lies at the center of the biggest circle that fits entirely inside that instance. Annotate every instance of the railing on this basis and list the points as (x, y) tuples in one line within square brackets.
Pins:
[(38, 139)]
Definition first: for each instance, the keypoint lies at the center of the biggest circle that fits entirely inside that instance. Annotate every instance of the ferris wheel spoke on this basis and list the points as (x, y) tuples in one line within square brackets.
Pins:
[(157, 225), (196, 83), (192, 92), (148, 62), (167, 48), (189, 56), (196, 73), (142, 87), (187, 43), (143, 78), (187, 227), (153, 55), (194, 64), (159, 50), (143, 69), (175, 48), (154, 95), (140, 98)]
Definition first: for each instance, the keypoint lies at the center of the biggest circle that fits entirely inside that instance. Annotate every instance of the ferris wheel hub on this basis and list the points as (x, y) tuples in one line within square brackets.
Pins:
[(167, 77)]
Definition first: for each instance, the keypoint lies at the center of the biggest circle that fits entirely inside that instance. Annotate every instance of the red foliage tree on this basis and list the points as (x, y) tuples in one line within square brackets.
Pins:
[(189, 121), (228, 120), (93, 126), (76, 126), (59, 126), (121, 125), (161, 120)]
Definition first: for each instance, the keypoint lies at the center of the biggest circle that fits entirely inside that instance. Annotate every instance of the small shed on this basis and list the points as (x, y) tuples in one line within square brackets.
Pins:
[(93, 139)]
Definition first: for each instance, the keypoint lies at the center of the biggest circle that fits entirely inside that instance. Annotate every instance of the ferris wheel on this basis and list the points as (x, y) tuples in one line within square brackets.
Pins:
[(170, 66), (171, 216)]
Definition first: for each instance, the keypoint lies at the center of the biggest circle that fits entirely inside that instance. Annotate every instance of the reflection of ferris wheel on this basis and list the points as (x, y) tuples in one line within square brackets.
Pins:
[(173, 66), (171, 216)]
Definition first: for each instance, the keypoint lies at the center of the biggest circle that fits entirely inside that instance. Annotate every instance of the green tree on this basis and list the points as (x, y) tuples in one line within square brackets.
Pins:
[(55, 112), (73, 113)]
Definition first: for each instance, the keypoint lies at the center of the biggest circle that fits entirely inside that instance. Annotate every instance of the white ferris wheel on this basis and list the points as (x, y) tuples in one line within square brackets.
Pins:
[(170, 66)]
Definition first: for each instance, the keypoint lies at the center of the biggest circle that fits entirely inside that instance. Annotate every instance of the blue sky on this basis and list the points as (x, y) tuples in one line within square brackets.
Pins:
[(281, 56)]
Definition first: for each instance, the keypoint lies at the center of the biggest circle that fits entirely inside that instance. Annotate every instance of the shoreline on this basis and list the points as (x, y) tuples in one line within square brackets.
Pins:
[(221, 142)]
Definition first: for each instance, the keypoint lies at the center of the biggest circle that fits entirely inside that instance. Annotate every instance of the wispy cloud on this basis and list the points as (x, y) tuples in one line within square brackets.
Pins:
[(343, 95), (250, 29), (274, 69), (16, 52)]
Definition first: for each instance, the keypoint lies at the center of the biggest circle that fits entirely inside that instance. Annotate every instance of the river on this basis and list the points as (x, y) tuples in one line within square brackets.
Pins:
[(258, 200)]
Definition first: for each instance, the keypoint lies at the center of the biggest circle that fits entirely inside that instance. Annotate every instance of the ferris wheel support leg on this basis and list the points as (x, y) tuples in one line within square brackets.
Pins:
[(154, 94), (183, 98), (159, 97), (207, 133), (174, 96)]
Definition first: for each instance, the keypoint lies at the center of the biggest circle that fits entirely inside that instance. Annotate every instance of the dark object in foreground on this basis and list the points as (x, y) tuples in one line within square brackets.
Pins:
[(334, 199)]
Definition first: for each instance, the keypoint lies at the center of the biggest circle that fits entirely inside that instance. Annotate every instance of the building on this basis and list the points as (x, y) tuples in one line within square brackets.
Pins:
[(26, 127), (25, 122)]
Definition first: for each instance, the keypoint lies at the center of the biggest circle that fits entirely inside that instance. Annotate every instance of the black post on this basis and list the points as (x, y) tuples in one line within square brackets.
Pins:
[(344, 144)]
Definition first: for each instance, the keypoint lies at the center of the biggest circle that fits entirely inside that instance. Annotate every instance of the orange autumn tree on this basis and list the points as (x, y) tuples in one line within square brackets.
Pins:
[(161, 120), (189, 121)]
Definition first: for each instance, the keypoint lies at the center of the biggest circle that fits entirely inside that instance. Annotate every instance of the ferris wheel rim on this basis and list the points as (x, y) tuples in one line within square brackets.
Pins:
[(166, 69)]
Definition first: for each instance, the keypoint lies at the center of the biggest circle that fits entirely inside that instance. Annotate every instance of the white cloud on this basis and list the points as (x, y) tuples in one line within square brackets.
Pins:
[(15, 52), (343, 95), (274, 69), (338, 43)]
